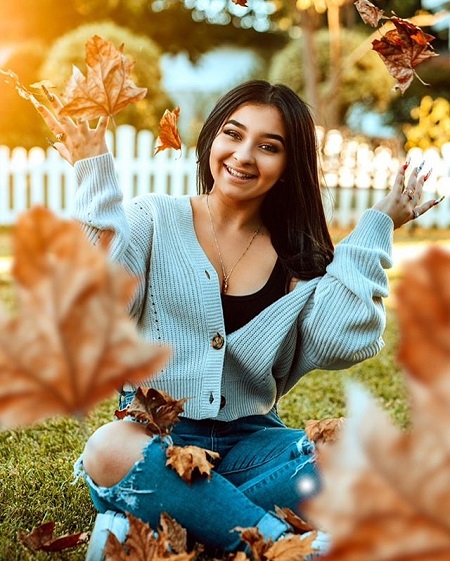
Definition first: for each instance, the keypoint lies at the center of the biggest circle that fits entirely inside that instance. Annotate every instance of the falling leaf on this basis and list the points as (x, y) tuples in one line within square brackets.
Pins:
[(370, 14), (378, 483), (145, 544), (41, 538), (189, 459), (108, 86), (156, 410), (423, 300), (402, 49), (169, 136), (71, 342), (324, 430), (385, 491)]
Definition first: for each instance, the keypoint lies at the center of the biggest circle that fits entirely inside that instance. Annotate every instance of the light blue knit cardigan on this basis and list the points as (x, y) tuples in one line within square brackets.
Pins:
[(330, 322)]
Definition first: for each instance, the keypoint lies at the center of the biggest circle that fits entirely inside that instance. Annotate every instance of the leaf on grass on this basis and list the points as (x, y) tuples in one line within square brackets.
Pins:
[(324, 430), (169, 137), (402, 49), (145, 544), (71, 342), (370, 14), (155, 409), (108, 86), (41, 538), (186, 460)]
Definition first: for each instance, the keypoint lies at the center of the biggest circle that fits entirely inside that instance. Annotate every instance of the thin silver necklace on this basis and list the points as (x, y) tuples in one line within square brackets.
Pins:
[(226, 277)]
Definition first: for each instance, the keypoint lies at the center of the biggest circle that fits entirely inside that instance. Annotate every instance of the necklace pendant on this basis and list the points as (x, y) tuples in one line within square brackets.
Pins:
[(224, 286)]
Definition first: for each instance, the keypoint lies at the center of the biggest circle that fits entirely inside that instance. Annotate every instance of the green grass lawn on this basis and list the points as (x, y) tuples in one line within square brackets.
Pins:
[(36, 464)]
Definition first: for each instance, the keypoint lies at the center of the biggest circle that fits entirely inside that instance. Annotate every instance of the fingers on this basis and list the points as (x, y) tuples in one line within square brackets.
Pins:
[(49, 118), (423, 208)]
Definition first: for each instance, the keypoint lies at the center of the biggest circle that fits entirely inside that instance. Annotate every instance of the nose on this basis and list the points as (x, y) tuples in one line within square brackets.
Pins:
[(244, 154)]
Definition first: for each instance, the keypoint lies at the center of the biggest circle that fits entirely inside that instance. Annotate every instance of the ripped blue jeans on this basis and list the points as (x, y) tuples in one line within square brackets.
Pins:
[(262, 464)]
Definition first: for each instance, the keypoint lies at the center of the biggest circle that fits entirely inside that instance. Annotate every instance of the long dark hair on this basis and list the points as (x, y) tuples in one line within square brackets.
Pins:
[(292, 210)]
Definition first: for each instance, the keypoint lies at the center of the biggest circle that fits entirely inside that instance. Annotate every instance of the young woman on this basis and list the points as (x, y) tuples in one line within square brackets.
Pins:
[(243, 282)]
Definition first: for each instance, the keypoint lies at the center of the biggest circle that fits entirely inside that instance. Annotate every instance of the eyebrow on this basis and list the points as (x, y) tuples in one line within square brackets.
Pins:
[(265, 135)]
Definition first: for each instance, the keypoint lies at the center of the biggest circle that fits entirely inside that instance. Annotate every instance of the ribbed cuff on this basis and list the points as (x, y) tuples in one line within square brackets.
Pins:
[(272, 527)]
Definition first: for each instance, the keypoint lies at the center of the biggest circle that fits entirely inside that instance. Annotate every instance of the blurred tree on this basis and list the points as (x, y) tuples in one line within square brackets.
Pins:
[(175, 25), (433, 124), (364, 81), (191, 26), (70, 50), (20, 125)]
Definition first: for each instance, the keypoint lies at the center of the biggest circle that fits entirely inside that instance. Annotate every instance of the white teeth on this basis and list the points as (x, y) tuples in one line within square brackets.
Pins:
[(238, 174)]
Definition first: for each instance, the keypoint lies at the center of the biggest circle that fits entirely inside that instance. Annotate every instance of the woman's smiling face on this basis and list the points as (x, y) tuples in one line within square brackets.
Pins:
[(248, 155)]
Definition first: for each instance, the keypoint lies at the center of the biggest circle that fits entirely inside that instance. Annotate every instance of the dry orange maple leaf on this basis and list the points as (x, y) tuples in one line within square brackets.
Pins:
[(324, 430), (41, 538), (401, 49), (370, 14), (155, 409), (290, 548), (71, 342), (386, 492), (298, 525), (108, 86), (186, 460), (145, 544), (169, 137)]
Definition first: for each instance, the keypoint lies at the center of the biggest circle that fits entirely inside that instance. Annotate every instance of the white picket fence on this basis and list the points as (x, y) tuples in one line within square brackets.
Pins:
[(355, 176)]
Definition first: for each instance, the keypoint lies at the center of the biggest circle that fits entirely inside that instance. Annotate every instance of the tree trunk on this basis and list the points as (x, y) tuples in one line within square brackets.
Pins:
[(332, 105), (309, 61)]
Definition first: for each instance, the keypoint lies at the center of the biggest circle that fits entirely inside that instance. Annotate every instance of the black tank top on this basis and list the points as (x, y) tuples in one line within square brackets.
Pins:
[(239, 310)]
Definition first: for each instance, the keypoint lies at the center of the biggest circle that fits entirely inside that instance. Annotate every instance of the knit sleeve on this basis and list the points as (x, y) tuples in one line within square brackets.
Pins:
[(99, 207), (344, 319)]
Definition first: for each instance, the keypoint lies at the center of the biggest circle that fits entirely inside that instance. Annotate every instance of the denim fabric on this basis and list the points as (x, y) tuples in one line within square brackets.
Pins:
[(262, 464)]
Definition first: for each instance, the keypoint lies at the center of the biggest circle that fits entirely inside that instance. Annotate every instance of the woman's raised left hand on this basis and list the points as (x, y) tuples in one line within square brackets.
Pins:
[(402, 203), (75, 139)]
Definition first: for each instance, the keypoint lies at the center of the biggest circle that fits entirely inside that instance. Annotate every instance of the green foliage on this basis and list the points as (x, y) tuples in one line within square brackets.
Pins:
[(366, 81), (70, 50), (20, 125)]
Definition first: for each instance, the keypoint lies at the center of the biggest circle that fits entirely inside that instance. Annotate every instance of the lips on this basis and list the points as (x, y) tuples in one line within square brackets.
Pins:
[(238, 174)]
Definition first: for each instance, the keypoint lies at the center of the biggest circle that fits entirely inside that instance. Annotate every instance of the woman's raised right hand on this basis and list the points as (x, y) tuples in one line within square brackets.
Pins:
[(75, 139)]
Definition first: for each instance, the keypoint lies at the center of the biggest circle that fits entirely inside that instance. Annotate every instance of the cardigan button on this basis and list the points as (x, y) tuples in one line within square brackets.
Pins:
[(217, 341)]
